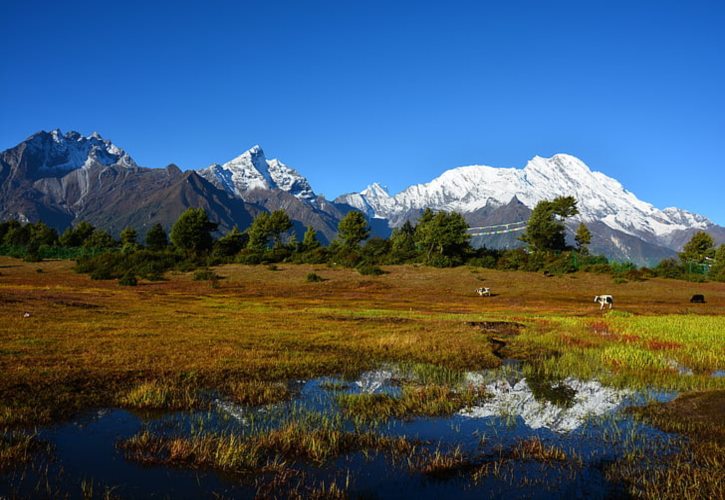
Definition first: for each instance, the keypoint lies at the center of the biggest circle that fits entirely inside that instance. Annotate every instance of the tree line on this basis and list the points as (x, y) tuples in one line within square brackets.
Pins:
[(439, 238)]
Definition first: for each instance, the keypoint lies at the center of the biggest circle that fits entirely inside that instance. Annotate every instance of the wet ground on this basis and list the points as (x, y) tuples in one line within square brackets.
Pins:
[(583, 418)]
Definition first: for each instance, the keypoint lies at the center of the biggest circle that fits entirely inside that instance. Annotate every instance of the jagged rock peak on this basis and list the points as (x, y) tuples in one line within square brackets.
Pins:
[(377, 190), (470, 188), (55, 151), (251, 171)]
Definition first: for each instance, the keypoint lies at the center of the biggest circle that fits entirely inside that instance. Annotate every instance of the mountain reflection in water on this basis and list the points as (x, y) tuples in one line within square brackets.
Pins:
[(584, 400)]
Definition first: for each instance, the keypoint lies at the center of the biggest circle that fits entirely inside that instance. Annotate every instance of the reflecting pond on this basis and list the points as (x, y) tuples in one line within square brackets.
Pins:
[(583, 419)]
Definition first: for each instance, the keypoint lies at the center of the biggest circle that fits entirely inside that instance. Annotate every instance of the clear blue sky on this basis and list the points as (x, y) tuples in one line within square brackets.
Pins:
[(351, 92)]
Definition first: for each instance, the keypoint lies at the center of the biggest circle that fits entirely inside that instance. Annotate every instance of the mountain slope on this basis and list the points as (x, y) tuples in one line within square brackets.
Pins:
[(61, 179), (603, 203)]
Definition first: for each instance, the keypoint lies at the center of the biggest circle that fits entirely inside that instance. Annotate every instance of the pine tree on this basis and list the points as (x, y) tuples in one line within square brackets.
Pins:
[(442, 237), (402, 244), (259, 232), (583, 238), (156, 238), (545, 229), (278, 224), (700, 246), (310, 241), (192, 231), (352, 229), (128, 236)]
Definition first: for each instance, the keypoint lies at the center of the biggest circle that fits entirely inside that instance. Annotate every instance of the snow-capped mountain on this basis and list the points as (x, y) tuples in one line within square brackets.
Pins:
[(64, 178), (252, 171), (472, 188), (57, 152), (591, 399)]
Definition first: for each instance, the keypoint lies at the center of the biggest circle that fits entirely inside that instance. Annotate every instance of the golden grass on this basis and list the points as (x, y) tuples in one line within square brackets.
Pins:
[(17, 448), (314, 438), (94, 343), (697, 469), (256, 392), (427, 400), (164, 394), (534, 449)]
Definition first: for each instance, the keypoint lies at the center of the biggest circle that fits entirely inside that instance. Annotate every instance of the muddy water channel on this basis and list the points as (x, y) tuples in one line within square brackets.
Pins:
[(523, 437)]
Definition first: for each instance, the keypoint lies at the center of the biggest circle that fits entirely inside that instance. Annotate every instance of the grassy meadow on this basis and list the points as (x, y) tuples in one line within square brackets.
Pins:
[(168, 345)]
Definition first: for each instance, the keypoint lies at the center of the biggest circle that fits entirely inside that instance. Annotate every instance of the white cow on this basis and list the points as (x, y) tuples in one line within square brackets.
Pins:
[(604, 300), (483, 291)]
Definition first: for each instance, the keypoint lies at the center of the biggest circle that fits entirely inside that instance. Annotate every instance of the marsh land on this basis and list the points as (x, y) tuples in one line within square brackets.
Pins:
[(261, 382)]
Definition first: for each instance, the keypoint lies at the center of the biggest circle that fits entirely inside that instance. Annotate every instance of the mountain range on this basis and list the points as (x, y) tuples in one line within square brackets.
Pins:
[(64, 178)]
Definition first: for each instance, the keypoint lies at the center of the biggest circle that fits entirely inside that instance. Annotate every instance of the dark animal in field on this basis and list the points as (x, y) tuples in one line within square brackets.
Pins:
[(604, 300), (698, 298), (483, 291)]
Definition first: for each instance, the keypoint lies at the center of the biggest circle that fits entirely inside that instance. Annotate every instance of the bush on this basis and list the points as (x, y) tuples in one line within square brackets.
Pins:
[(318, 255), (597, 268), (561, 265), (635, 275), (670, 268), (513, 260), (370, 270), (250, 257), (346, 257), (487, 261), (205, 275), (128, 279), (102, 274), (144, 263), (314, 278)]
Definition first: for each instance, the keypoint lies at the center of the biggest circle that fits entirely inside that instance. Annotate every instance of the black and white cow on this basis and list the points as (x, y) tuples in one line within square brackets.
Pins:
[(483, 291), (604, 300)]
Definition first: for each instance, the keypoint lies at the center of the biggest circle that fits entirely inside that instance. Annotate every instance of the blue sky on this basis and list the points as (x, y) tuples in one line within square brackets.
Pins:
[(396, 92)]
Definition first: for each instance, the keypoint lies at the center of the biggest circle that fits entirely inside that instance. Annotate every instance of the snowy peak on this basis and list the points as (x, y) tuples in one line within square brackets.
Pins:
[(375, 190), (251, 171), (57, 152), (467, 189), (686, 218), (288, 179)]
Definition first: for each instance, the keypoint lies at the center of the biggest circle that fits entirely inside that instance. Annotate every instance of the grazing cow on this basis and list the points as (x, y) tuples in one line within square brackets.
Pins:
[(483, 291), (604, 300), (698, 298), (26, 314)]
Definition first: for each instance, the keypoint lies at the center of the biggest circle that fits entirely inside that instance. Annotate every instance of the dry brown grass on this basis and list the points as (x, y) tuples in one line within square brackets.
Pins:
[(91, 342), (697, 469)]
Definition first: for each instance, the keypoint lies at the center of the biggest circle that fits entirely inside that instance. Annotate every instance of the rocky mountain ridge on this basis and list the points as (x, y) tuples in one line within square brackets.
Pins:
[(63, 178)]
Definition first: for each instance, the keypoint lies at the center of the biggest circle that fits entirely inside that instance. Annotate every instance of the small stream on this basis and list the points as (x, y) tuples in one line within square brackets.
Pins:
[(583, 418)]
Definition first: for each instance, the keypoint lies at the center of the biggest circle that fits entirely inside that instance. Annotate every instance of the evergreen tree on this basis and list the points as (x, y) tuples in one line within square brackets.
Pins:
[(717, 271), (129, 236), (77, 235), (192, 231), (99, 239), (545, 230), (230, 244), (701, 245), (583, 238), (5, 227), (43, 234), (310, 241), (402, 244), (259, 232), (156, 238), (352, 229), (442, 237), (18, 235), (278, 224)]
